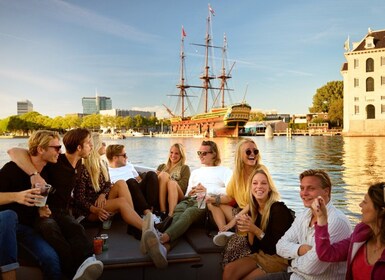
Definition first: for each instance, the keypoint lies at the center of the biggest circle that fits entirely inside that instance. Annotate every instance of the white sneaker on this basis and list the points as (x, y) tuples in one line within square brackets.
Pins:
[(157, 219), (222, 237), (90, 269), (148, 223), (157, 252)]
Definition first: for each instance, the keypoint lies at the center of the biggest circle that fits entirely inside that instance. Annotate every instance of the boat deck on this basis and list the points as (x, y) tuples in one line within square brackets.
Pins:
[(193, 257)]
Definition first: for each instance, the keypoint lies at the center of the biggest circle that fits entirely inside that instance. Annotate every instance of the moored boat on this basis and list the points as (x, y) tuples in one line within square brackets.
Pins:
[(216, 119)]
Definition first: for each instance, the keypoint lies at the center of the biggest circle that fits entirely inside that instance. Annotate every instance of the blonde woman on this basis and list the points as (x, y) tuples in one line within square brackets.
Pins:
[(173, 179), (268, 222), (94, 196), (224, 208)]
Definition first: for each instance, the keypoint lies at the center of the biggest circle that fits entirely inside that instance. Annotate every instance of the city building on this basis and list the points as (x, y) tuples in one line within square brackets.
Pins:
[(364, 86), (24, 106), (93, 105), (125, 113)]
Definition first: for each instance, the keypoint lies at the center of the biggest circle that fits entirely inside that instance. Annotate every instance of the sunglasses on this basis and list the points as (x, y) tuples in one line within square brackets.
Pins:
[(57, 148), (249, 152), (122, 155), (203, 153)]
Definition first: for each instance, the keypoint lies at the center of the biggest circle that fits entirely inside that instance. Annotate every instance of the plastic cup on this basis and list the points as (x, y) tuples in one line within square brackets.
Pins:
[(239, 222), (107, 223), (98, 245), (44, 190), (201, 196)]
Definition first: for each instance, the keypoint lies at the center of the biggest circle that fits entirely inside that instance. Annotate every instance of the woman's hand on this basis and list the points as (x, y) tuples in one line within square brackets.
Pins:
[(229, 225), (101, 201), (320, 211), (102, 214), (244, 223)]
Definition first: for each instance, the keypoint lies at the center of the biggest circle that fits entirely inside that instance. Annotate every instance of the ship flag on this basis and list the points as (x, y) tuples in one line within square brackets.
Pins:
[(183, 32), (347, 44), (211, 10)]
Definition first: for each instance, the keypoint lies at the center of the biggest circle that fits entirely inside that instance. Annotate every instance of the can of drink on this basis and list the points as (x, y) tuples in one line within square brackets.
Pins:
[(104, 237)]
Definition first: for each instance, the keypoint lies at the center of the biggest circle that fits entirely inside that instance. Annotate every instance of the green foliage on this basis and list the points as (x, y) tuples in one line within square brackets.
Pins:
[(329, 99)]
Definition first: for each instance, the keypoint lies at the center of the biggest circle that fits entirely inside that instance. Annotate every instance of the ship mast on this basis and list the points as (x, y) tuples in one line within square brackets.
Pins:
[(182, 86), (224, 77)]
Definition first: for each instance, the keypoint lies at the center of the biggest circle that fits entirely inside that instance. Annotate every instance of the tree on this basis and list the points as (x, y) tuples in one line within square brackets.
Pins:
[(329, 99)]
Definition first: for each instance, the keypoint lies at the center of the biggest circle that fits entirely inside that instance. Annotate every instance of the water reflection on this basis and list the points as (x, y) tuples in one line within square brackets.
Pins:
[(352, 163)]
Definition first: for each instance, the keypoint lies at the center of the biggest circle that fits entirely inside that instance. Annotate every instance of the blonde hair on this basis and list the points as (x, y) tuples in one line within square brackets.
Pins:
[(238, 180), (94, 164), (273, 196), (41, 138), (167, 168)]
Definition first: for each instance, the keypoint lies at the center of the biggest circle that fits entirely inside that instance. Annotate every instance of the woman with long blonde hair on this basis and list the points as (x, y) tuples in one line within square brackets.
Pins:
[(173, 179), (224, 208), (268, 222)]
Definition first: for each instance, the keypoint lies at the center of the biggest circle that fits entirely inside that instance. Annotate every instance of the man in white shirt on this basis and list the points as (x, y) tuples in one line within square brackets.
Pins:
[(298, 243), (208, 179), (144, 192)]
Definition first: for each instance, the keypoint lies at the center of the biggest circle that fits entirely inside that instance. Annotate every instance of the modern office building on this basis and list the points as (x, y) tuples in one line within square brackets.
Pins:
[(125, 113), (24, 106), (93, 105), (364, 86)]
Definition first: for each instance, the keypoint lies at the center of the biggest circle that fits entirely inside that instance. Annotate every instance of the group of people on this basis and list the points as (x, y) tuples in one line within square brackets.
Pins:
[(96, 182)]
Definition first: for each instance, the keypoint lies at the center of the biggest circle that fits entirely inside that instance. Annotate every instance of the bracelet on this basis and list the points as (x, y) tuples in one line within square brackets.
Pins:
[(33, 174)]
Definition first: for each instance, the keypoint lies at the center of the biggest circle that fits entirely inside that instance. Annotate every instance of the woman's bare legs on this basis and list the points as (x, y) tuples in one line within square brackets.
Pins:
[(238, 269), (163, 179), (127, 212), (120, 189), (221, 215), (175, 194)]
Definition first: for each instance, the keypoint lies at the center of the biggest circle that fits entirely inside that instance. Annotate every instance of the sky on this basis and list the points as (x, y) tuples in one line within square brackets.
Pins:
[(55, 52)]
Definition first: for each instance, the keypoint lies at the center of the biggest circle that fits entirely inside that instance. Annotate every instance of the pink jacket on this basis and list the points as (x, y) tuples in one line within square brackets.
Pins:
[(346, 249)]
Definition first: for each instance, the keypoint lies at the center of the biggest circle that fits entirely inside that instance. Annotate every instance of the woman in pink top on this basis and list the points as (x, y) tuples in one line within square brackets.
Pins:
[(364, 249)]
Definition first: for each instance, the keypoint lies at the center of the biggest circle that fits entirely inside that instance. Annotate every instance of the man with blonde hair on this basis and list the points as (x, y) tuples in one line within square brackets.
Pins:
[(18, 212)]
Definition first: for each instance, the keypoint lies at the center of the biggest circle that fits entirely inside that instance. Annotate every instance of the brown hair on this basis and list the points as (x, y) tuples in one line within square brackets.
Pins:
[(376, 194), (75, 137), (215, 150), (113, 150)]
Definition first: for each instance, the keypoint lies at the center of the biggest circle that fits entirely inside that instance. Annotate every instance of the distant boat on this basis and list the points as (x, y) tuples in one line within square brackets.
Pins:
[(137, 134), (219, 119)]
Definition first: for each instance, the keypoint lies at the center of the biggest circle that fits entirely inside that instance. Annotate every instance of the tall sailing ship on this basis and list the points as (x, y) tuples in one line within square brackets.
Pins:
[(217, 119)]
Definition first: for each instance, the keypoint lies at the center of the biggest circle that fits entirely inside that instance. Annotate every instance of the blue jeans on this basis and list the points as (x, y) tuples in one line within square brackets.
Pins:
[(8, 243)]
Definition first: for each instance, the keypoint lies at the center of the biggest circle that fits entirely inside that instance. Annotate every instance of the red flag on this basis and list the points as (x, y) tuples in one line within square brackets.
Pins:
[(183, 32), (211, 10)]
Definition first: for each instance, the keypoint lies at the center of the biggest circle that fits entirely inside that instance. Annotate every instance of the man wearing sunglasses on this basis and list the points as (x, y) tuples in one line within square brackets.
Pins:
[(210, 179), (61, 230), (18, 212)]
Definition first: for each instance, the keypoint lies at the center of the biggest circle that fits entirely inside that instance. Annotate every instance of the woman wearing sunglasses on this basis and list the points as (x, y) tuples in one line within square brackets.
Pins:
[(173, 178), (225, 208), (364, 250)]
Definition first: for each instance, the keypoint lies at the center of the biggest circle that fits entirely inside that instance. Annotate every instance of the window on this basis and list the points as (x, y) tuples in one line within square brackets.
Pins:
[(369, 65), (382, 60), (356, 82), (382, 80), (382, 108), (355, 63), (356, 109), (356, 99), (370, 112), (382, 97), (369, 84)]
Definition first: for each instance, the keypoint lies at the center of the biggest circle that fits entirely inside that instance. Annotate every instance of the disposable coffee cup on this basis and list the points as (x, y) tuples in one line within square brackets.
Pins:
[(201, 199), (44, 190)]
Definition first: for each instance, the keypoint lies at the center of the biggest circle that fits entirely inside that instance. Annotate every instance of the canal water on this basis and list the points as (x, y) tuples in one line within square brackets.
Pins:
[(352, 162)]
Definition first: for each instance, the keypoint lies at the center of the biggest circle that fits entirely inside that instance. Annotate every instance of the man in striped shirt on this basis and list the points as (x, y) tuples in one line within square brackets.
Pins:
[(298, 243)]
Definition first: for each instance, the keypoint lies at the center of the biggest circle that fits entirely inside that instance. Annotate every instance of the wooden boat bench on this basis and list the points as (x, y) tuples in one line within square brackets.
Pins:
[(193, 257)]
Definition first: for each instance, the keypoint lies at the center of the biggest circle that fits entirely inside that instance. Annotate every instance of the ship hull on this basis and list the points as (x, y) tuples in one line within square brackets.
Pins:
[(219, 122)]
